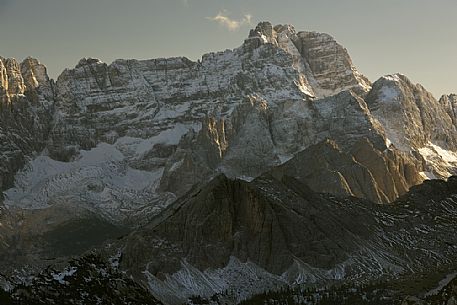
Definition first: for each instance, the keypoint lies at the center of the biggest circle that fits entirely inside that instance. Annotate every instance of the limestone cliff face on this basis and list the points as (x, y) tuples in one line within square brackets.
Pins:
[(449, 102), (394, 171), (258, 135), (363, 172), (12, 81), (97, 102), (411, 116), (27, 78), (170, 124), (26, 110), (414, 121), (143, 98), (326, 168), (324, 63), (236, 162)]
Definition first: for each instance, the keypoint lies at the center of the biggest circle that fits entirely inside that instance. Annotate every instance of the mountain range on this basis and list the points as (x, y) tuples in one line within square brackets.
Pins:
[(275, 164)]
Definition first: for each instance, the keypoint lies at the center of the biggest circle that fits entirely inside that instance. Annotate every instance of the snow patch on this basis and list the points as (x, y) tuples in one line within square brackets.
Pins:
[(441, 162), (389, 94), (393, 77), (428, 175), (245, 178), (99, 178), (60, 277), (167, 137), (115, 259), (244, 278), (442, 284), (176, 165), (170, 136), (388, 142), (446, 155)]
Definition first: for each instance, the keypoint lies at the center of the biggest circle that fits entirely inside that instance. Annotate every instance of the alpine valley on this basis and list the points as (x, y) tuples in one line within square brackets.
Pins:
[(273, 173)]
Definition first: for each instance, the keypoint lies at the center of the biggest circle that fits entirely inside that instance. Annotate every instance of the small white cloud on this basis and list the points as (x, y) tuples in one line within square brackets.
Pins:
[(231, 24)]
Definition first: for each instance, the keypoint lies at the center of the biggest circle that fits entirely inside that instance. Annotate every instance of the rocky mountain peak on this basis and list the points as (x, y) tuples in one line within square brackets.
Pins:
[(26, 101), (36, 78), (12, 82), (87, 61), (17, 79), (410, 114), (263, 28), (222, 163), (263, 104), (452, 96), (414, 121), (311, 52), (269, 33)]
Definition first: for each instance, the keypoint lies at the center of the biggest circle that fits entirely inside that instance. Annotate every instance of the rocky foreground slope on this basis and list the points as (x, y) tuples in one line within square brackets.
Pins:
[(232, 239), (218, 165), (242, 236)]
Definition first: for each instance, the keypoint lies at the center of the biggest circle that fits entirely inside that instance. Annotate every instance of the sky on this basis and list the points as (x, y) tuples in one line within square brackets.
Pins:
[(415, 37)]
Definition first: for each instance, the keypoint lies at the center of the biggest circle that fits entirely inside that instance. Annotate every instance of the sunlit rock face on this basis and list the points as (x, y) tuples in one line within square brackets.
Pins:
[(216, 164), (142, 98), (414, 121), (258, 135), (173, 123), (396, 102), (26, 110), (450, 104), (257, 97), (169, 124), (363, 171), (325, 65)]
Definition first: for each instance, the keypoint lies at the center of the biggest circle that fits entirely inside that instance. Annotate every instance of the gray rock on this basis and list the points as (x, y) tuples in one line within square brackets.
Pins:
[(415, 122), (450, 104), (26, 110)]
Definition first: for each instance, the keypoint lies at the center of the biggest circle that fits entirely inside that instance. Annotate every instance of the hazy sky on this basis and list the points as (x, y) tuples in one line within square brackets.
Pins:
[(414, 37)]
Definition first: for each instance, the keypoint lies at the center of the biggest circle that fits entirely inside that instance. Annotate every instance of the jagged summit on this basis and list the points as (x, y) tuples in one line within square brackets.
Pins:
[(325, 64), (270, 33), (395, 77), (249, 108), (86, 61), (237, 112), (396, 101), (108, 148), (17, 78), (26, 108)]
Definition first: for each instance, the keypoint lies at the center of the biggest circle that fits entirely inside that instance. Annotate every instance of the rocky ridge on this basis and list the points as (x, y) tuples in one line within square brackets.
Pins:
[(325, 64), (234, 238), (238, 112), (415, 121), (277, 120), (278, 232)]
